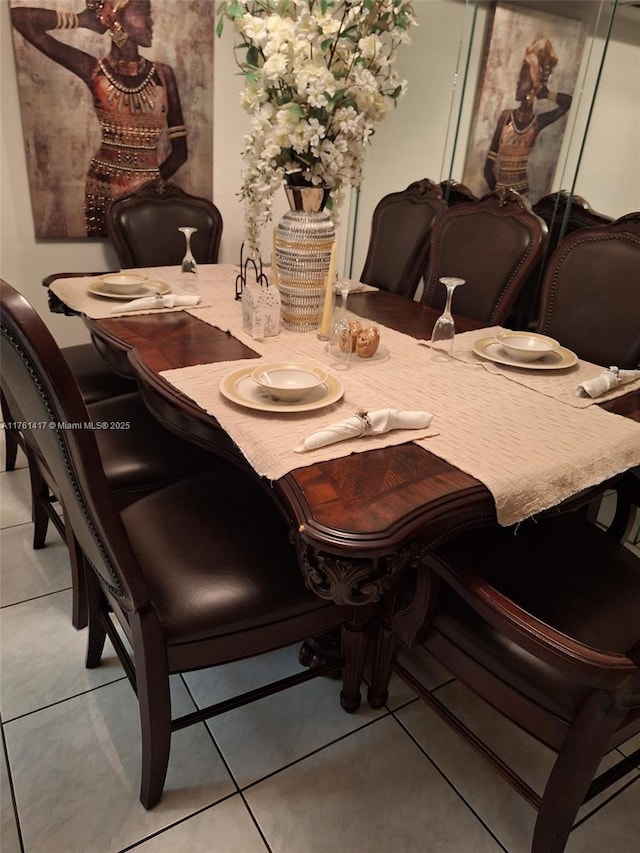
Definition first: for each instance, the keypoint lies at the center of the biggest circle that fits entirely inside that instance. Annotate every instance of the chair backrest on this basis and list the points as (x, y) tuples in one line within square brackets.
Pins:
[(561, 207), (494, 244), (454, 192), (591, 293), (399, 242), (143, 226), (39, 384)]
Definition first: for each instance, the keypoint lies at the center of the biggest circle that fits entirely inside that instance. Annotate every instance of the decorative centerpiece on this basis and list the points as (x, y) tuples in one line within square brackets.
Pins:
[(318, 78)]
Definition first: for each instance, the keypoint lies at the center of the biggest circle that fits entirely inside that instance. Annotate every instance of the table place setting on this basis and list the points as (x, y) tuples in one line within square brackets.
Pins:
[(558, 373), (128, 292)]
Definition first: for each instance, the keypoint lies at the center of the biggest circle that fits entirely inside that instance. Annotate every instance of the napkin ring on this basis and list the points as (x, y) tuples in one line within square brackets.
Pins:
[(363, 417), (616, 373)]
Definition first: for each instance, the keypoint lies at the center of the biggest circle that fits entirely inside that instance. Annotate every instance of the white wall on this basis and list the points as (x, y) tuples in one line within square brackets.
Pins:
[(414, 142)]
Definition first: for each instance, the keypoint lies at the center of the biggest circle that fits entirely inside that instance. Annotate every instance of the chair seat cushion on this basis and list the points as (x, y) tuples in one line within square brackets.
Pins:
[(96, 380), (216, 555), (567, 573), (138, 454)]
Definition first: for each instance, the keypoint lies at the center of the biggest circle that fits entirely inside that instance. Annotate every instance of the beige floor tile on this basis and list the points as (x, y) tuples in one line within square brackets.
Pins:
[(372, 792), (26, 574), (42, 656), (76, 769), (9, 841), (224, 828), (264, 736), (500, 807), (15, 498)]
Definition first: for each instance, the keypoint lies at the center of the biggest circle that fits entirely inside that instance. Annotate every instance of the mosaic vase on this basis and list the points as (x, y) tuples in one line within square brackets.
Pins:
[(303, 241)]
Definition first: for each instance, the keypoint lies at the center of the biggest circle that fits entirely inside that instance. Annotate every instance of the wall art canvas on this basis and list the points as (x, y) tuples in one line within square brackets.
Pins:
[(524, 99), (112, 94)]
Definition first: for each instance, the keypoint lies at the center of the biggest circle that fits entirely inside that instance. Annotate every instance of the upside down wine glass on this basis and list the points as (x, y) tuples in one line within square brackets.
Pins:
[(189, 269), (444, 329)]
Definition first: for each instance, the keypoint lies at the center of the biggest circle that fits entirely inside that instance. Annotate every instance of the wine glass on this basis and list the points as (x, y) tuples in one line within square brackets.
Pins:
[(189, 268), (444, 329)]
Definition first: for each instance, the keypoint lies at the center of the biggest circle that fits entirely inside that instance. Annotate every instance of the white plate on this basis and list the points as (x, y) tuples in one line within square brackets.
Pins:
[(147, 288), (558, 359), (240, 387)]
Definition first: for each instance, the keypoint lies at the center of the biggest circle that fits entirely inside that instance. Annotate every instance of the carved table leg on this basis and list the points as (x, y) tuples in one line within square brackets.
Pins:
[(355, 642)]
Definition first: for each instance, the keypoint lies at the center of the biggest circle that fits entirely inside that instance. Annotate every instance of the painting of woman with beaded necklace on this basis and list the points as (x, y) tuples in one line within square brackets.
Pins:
[(517, 146), (143, 133)]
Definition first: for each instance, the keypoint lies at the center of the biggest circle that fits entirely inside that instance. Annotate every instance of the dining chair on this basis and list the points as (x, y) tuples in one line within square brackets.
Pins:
[(143, 226), (565, 213), (399, 241), (195, 575), (138, 455), (494, 244), (590, 296), (96, 379), (541, 621), (454, 192)]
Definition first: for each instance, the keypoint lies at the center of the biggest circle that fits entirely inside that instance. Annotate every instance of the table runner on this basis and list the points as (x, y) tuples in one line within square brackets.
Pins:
[(530, 449)]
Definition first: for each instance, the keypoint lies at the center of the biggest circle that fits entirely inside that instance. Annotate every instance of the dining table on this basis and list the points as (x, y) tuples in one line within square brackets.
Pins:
[(503, 443)]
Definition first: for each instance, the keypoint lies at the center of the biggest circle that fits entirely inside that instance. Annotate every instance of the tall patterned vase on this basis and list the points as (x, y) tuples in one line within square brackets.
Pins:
[(303, 242)]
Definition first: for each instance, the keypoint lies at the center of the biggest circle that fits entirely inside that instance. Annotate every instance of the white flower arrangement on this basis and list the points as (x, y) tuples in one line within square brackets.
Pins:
[(318, 79)]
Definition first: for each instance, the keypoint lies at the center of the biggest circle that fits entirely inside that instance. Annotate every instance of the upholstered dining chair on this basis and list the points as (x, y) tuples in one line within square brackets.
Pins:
[(494, 244), (143, 226), (565, 213), (399, 241), (195, 575), (542, 622), (591, 293), (137, 454), (454, 192)]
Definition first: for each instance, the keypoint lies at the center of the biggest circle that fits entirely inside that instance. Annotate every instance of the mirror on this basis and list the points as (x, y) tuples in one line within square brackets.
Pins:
[(427, 135)]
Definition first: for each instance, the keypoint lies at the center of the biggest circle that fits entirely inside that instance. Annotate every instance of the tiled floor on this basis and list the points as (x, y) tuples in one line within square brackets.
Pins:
[(290, 774)]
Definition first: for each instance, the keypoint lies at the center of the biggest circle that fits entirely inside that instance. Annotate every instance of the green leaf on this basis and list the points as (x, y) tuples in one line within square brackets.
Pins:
[(253, 57)]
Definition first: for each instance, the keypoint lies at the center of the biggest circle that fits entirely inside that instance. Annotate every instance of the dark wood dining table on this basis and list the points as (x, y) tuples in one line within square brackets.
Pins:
[(357, 521)]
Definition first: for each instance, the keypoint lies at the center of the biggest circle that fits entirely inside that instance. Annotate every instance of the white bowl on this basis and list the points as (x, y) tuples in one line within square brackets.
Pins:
[(287, 381), (125, 283), (526, 346)]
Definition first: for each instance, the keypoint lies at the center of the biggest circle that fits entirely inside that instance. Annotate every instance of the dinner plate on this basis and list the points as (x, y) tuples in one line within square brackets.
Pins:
[(558, 359), (147, 288), (240, 387)]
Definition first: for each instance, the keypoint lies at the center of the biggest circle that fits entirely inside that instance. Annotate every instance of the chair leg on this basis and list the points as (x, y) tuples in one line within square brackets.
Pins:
[(11, 442), (39, 499), (78, 581), (97, 632), (154, 699), (573, 772)]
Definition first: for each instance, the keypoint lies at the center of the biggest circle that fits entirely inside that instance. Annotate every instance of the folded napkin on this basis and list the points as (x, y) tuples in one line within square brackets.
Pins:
[(364, 423), (147, 303), (606, 381)]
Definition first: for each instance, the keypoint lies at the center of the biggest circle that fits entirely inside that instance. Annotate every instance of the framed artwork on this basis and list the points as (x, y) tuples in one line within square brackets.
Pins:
[(525, 92), (112, 94)]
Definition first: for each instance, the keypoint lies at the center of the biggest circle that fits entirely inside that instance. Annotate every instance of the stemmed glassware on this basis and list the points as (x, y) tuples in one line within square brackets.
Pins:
[(189, 269), (339, 346), (444, 329)]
